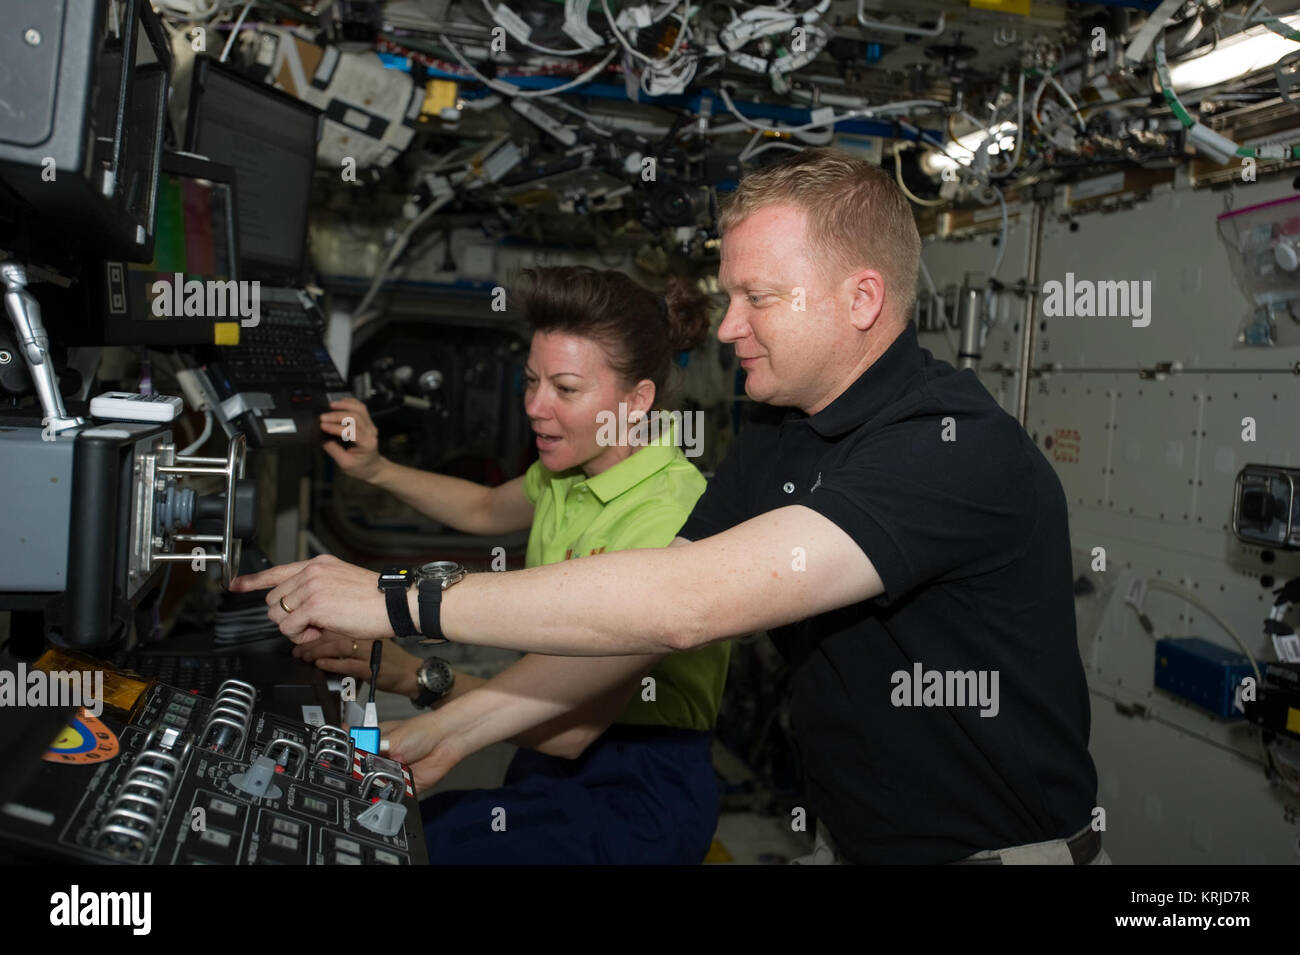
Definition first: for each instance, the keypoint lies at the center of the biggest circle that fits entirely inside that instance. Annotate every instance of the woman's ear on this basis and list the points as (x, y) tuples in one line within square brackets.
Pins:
[(640, 399)]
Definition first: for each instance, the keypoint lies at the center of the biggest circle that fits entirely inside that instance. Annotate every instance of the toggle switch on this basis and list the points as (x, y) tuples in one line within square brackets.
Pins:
[(259, 780)]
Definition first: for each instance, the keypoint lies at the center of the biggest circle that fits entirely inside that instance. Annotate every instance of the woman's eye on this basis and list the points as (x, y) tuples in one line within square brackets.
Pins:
[(567, 391)]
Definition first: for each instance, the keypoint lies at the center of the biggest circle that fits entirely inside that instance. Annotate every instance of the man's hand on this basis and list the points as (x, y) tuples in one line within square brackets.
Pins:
[(322, 596), (334, 654), (421, 744)]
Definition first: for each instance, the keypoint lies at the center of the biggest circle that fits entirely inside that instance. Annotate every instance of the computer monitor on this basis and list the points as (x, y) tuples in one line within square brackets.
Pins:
[(269, 138), (80, 136), (195, 238)]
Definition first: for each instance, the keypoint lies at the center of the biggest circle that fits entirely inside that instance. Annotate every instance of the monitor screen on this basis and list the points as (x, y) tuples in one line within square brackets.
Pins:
[(195, 246), (193, 237), (269, 138)]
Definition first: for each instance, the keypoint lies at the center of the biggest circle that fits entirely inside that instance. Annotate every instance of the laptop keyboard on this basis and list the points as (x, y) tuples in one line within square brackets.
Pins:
[(200, 673), (284, 351)]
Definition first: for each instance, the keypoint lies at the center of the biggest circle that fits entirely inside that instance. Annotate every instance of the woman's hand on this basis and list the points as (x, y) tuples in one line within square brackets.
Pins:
[(423, 744), (335, 654), (350, 420)]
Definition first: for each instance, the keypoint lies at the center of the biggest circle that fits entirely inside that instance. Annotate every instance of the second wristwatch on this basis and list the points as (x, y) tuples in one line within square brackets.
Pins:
[(431, 580)]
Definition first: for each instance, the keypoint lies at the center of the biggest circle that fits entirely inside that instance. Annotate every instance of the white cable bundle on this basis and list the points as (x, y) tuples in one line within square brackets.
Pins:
[(658, 76), (664, 81), (575, 25), (516, 26), (766, 21)]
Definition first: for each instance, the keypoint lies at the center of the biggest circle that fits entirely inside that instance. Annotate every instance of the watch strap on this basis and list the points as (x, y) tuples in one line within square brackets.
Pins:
[(427, 698), (430, 601), (399, 613)]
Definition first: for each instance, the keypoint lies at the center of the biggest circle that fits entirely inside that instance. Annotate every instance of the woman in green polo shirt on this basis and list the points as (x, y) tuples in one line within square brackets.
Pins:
[(615, 760)]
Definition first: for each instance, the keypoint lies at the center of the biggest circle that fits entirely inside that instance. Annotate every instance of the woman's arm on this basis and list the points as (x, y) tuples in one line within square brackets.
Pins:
[(597, 694), (463, 505), (557, 705), (468, 507)]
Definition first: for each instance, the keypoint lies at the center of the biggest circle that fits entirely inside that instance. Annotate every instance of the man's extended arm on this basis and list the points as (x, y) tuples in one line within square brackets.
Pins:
[(786, 565)]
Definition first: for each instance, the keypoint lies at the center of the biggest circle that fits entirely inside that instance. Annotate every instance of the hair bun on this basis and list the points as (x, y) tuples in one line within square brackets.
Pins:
[(686, 309)]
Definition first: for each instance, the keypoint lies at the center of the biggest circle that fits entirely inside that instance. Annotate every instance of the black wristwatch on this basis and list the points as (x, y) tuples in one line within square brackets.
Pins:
[(435, 679), (432, 579), (395, 581)]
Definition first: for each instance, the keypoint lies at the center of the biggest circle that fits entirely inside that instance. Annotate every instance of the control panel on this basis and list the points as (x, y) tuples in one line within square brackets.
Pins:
[(188, 780)]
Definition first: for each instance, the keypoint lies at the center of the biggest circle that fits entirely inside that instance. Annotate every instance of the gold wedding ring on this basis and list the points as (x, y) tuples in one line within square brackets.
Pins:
[(284, 606)]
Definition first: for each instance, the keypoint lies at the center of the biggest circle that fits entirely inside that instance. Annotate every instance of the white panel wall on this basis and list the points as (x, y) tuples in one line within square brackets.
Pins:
[(1152, 484)]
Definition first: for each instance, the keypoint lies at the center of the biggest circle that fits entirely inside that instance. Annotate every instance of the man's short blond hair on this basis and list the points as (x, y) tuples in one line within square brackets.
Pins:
[(857, 217)]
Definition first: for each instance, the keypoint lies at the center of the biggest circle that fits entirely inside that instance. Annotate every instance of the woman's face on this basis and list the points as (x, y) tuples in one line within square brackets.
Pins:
[(568, 382)]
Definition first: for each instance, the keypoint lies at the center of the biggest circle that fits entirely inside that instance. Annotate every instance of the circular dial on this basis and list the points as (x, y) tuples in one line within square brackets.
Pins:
[(435, 676)]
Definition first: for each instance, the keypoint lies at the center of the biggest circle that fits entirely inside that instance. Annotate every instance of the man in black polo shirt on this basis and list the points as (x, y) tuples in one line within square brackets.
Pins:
[(897, 532)]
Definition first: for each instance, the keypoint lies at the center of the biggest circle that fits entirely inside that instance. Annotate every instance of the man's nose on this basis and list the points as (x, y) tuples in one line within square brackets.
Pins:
[(733, 327)]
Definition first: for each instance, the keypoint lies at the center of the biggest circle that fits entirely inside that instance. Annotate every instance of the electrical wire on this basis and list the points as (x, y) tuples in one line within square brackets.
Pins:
[(903, 105), (863, 20), (1020, 122), (234, 31), (898, 174), (618, 35), (511, 90), (1038, 94), (936, 307), (202, 439), (766, 146), (1156, 583), (361, 316), (928, 140), (1002, 235), (1069, 100), (524, 38), (598, 125)]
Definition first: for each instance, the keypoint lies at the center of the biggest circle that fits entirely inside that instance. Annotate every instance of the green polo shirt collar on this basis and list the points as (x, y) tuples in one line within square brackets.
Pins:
[(635, 468)]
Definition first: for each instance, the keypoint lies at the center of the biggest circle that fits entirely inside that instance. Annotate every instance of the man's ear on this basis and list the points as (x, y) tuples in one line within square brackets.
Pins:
[(867, 288)]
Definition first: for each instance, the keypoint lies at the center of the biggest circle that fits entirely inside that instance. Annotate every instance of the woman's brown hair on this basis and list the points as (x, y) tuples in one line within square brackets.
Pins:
[(640, 330)]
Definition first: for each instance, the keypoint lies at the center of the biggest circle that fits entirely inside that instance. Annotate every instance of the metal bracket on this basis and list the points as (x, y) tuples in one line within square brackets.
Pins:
[(153, 470)]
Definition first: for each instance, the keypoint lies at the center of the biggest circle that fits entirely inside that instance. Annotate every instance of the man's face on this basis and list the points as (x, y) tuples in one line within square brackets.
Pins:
[(782, 311)]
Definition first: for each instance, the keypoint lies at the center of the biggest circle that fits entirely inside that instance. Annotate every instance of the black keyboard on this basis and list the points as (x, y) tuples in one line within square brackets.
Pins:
[(284, 684), (198, 673), (275, 383), (287, 351)]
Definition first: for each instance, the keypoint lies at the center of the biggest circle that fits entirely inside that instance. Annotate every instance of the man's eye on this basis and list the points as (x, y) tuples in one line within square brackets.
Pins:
[(756, 299)]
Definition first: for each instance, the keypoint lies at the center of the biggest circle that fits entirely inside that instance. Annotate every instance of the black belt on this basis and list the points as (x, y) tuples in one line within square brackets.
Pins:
[(1085, 846)]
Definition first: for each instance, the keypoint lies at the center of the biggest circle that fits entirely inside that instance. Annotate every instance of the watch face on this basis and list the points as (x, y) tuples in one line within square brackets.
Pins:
[(435, 675), (447, 571)]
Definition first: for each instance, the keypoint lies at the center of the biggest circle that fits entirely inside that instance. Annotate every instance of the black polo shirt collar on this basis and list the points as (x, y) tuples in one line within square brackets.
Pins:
[(872, 390)]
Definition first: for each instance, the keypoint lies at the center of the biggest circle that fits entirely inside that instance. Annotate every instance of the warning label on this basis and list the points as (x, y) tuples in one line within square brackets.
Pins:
[(1064, 445)]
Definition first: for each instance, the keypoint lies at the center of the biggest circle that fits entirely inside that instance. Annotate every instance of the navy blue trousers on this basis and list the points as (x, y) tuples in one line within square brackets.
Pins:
[(636, 796)]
